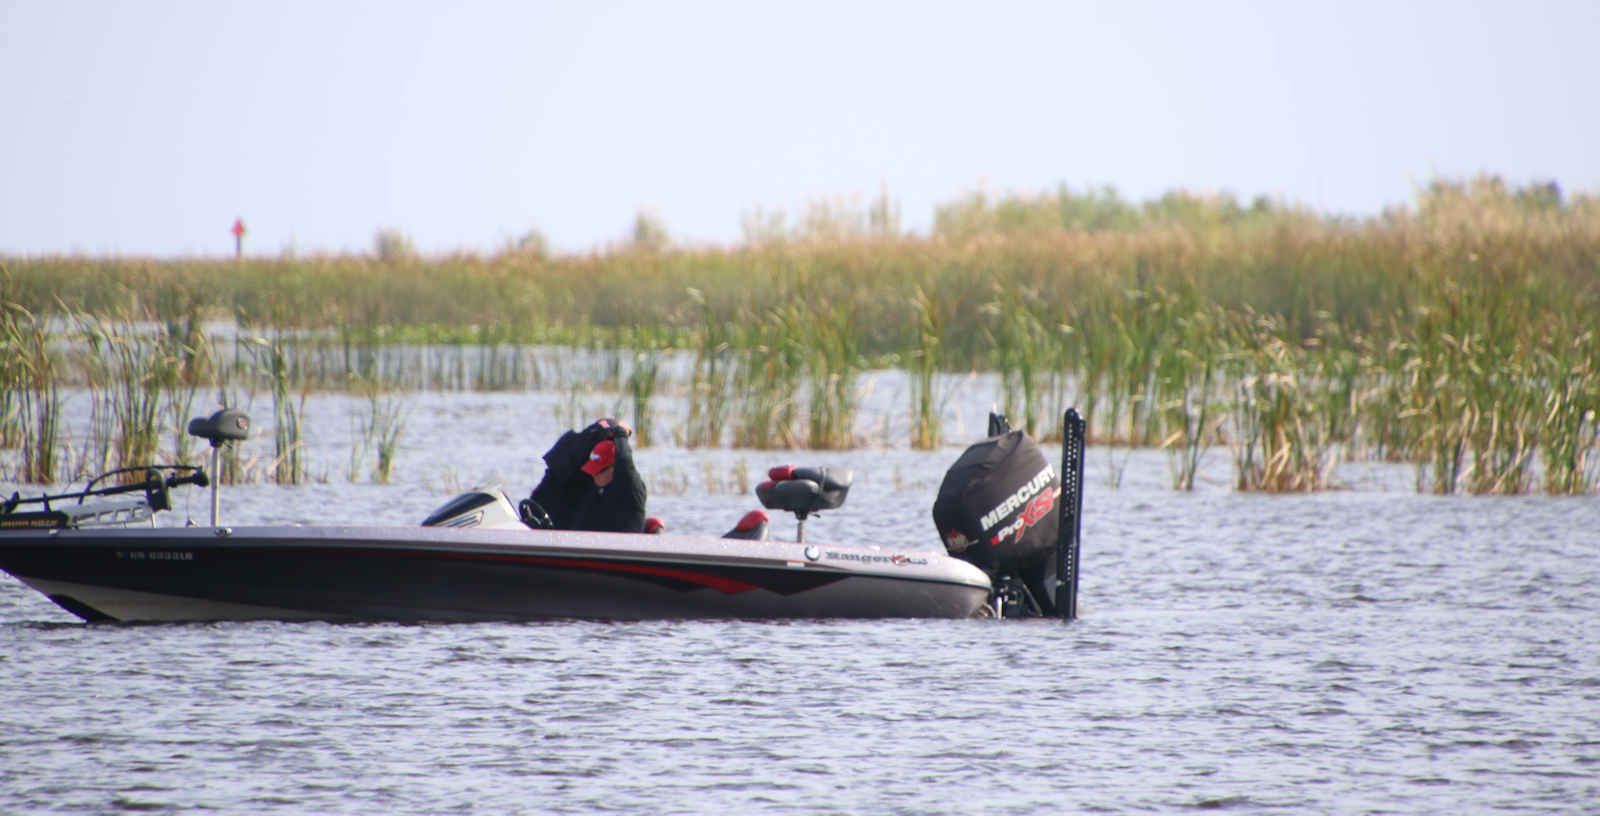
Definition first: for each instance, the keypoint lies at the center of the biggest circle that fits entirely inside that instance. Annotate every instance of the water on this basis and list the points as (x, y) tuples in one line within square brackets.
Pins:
[(1362, 650)]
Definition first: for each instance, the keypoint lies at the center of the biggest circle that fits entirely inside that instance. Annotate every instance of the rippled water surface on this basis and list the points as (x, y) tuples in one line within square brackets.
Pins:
[(1367, 649)]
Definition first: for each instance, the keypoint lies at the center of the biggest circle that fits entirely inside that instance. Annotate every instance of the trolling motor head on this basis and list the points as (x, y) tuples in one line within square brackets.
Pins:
[(222, 427), (226, 425)]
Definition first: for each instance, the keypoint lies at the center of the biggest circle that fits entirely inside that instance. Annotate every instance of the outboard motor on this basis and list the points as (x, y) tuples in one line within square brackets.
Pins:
[(997, 509)]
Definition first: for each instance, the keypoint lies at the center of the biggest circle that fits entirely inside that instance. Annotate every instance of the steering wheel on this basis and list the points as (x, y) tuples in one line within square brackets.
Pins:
[(534, 515)]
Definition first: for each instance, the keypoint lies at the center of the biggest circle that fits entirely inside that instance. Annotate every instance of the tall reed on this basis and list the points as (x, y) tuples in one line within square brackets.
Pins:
[(833, 364), (1570, 450), (1188, 381), (138, 371), (288, 463), (380, 428), (11, 378), (641, 387), (1021, 342), (30, 371), (1280, 443), (1418, 335), (927, 425), (708, 395), (768, 380)]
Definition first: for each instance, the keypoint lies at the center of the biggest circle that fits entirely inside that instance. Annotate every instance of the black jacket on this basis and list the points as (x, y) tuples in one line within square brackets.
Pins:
[(570, 496)]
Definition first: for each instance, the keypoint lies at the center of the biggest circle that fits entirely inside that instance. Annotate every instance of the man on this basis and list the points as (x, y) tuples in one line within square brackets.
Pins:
[(590, 482)]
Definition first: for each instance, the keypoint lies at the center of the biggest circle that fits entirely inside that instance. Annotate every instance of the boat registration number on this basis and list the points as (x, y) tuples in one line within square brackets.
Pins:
[(154, 555)]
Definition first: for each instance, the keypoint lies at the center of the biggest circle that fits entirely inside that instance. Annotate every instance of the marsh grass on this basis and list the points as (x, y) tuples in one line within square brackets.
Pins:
[(709, 380), (1280, 439), (376, 431), (30, 369), (288, 462), (642, 381), (1022, 344), (1455, 334), (1570, 451), (388, 422), (11, 376), (1187, 381), (927, 409), (146, 378), (767, 382), (832, 367), (708, 393)]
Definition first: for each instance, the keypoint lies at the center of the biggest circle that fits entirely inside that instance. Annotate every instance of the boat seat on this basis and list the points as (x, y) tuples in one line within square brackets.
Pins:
[(753, 527), (804, 490)]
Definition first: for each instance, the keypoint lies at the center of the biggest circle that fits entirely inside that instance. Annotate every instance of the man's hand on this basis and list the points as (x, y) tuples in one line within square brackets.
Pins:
[(608, 428)]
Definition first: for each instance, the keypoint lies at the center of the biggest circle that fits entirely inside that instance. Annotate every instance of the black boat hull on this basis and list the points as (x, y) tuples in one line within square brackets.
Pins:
[(443, 574)]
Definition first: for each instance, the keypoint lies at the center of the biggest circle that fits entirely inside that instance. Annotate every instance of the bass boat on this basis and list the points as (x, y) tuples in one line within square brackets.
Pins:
[(98, 553)]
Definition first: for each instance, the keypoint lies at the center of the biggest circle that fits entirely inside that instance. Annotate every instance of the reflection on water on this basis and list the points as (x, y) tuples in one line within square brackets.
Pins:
[(1359, 650)]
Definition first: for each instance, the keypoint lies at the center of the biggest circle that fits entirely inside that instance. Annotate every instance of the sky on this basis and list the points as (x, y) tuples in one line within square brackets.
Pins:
[(146, 128)]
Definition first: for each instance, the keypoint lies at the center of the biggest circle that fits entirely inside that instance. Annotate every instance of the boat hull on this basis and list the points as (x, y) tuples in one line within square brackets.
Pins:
[(447, 574)]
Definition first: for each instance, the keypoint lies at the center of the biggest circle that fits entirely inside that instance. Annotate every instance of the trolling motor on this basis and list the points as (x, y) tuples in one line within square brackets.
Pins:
[(57, 512), (1073, 430), (222, 427)]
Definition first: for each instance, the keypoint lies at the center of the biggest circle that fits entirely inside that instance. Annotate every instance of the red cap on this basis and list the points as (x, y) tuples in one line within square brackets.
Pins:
[(603, 456)]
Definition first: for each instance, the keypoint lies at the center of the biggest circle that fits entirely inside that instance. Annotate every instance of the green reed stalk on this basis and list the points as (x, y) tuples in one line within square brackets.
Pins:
[(376, 431), (1187, 382), (1570, 447), (642, 381), (1022, 344), (1096, 349), (142, 372), (709, 380), (927, 424), (1280, 444), (832, 367), (31, 371), (195, 367), (361, 439), (1505, 408), (288, 465), (768, 380), (1130, 358), (1383, 411), (11, 379), (105, 426), (388, 422)]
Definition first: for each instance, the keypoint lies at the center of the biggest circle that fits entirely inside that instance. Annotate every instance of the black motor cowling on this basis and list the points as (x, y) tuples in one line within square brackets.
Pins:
[(997, 505)]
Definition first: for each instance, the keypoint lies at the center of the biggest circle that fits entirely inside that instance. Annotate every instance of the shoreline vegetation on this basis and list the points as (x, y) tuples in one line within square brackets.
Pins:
[(1458, 333)]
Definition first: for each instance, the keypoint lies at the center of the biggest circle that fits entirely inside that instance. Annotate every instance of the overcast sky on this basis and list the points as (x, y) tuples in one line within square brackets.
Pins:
[(147, 127)]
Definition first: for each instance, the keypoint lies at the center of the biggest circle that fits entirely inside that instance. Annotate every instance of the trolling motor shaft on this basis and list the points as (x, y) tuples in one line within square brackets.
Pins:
[(222, 427), (1069, 543)]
